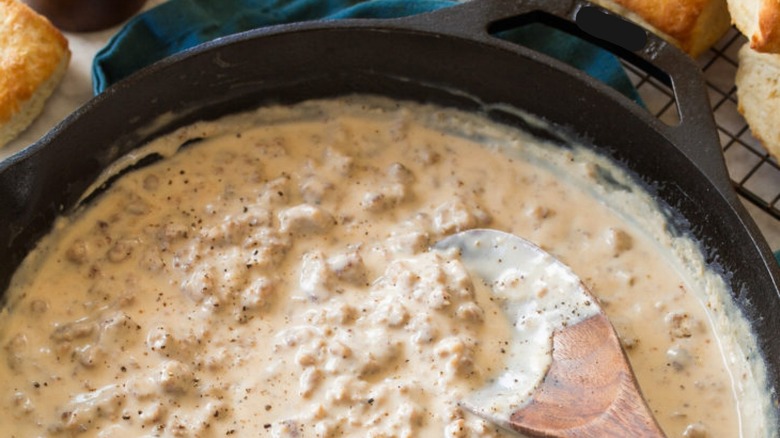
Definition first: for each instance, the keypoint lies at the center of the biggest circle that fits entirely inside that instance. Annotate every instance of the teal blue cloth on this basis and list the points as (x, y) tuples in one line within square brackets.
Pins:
[(178, 25)]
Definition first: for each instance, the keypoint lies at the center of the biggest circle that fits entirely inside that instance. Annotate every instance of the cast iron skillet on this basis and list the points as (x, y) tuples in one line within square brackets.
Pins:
[(448, 57)]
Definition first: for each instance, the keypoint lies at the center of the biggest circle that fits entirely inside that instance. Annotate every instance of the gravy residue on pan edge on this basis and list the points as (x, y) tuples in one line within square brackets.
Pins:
[(276, 278)]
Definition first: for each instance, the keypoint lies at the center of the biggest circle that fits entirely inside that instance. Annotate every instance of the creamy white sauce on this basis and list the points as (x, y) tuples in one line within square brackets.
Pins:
[(276, 279)]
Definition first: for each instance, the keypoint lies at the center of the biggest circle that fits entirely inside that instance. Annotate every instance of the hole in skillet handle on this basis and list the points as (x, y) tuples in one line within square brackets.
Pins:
[(601, 34), (611, 28)]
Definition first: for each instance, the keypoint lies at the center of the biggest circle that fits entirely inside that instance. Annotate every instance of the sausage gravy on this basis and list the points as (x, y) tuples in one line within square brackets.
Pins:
[(275, 278)]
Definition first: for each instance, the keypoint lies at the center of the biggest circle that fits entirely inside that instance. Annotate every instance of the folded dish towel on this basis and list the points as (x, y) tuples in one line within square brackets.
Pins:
[(178, 25)]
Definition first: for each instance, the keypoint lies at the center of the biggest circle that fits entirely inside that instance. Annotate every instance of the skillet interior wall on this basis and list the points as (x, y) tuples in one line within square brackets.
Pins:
[(247, 71)]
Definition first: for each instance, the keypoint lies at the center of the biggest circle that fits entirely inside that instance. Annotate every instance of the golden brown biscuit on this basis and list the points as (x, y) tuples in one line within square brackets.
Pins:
[(758, 93), (759, 20), (34, 56), (692, 25)]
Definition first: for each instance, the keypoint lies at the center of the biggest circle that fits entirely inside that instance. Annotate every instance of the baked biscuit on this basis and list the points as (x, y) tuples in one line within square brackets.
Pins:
[(759, 20), (34, 56), (758, 93)]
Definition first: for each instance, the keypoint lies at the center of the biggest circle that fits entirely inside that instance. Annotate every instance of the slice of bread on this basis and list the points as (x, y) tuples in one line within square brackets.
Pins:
[(34, 56), (758, 94), (692, 25), (759, 20)]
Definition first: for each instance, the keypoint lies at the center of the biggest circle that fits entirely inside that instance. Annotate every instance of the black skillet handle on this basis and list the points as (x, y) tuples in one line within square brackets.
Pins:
[(696, 134)]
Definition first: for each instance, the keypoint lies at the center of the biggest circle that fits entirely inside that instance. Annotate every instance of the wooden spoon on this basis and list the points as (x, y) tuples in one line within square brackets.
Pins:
[(588, 389)]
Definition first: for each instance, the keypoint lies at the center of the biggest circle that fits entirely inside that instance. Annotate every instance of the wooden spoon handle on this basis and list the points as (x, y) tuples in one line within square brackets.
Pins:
[(589, 390)]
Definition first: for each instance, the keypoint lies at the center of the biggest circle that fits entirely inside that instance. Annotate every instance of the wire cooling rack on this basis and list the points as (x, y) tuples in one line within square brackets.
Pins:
[(755, 175)]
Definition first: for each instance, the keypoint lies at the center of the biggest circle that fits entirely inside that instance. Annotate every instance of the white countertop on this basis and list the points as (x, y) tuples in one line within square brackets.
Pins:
[(76, 89)]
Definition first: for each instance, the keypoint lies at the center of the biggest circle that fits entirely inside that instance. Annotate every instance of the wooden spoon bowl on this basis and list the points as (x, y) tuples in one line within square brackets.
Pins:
[(589, 389)]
